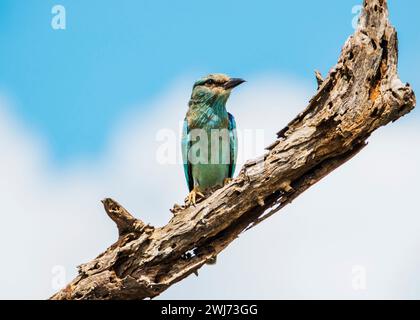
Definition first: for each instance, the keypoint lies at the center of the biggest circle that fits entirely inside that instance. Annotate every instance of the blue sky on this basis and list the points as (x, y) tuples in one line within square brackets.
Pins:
[(71, 85)]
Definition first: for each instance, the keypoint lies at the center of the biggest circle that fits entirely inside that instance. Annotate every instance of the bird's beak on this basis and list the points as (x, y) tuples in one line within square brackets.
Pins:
[(232, 83)]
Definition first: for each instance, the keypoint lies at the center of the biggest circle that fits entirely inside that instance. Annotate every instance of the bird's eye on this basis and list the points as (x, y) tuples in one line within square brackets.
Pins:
[(210, 82)]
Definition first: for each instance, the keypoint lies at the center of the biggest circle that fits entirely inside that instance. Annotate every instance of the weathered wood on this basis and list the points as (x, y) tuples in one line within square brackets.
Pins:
[(319, 79), (359, 95)]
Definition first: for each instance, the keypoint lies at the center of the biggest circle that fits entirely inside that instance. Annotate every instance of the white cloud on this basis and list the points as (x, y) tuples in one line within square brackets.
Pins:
[(365, 213)]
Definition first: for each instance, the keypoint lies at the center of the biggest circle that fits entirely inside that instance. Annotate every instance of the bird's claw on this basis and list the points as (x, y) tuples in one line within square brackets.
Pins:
[(193, 196), (227, 181)]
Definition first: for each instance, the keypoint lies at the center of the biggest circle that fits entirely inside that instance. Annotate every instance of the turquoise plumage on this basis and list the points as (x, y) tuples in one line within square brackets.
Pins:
[(208, 127), (233, 143), (185, 146)]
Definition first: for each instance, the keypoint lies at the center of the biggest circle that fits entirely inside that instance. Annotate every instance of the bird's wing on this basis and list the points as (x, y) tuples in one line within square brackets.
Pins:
[(233, 143), (186, 145)]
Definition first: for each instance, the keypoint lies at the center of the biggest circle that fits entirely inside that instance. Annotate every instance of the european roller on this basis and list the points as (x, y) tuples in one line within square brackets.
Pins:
[(209, 139)]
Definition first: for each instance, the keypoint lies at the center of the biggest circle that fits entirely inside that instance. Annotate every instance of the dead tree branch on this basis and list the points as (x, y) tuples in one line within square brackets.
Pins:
[(360, 94)]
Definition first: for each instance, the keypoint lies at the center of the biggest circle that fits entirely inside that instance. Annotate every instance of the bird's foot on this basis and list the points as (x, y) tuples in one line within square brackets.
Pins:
[(193, 196), (227, 181)]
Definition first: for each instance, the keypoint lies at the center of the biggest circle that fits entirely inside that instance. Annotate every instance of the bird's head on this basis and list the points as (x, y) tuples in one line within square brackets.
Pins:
[(214, 87)]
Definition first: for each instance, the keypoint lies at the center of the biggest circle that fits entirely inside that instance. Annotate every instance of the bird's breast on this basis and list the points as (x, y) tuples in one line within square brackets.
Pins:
[(208, 121)]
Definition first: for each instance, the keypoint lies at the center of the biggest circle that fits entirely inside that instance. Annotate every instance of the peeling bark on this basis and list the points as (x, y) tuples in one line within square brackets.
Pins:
[(360, 94)]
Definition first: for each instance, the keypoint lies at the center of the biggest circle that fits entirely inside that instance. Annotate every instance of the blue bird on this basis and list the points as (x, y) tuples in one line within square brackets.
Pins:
[(209, 139)]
